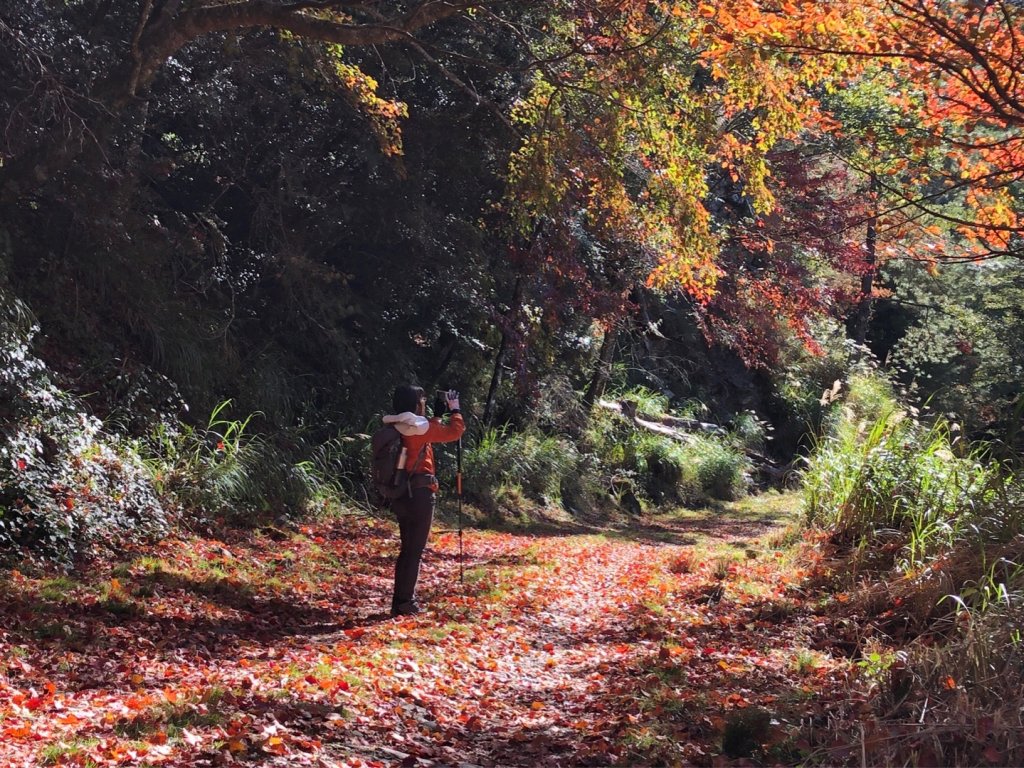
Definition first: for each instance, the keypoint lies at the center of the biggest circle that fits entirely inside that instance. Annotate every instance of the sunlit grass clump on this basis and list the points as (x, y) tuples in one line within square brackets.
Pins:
[(938, 526), (879, 468)]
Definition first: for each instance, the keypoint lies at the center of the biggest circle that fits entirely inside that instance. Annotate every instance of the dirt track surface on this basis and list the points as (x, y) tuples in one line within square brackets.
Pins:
[(643, 646)]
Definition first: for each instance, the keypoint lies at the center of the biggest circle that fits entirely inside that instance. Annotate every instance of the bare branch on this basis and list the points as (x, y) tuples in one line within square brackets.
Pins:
[(165, 39)]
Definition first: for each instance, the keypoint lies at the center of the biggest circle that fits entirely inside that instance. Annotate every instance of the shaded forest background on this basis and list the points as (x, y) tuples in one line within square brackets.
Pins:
[(276, 230), (672, 254)]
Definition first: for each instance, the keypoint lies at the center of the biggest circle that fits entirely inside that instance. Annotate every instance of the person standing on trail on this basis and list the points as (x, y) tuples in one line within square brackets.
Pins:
[(415, 510)]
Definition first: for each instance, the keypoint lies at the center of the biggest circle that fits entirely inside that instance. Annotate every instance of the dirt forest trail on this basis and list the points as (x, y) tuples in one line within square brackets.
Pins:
[(540, 662), (635, 647)]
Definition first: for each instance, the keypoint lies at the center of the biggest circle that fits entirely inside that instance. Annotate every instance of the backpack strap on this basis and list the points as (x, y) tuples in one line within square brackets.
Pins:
[(410, 473), (419, 459)]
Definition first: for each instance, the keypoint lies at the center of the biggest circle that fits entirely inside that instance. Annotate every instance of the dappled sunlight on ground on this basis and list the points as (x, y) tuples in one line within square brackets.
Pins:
[(636, 646)]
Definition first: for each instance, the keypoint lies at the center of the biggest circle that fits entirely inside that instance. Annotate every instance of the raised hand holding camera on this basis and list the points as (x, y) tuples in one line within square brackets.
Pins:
[(451, 398), (446, 401)]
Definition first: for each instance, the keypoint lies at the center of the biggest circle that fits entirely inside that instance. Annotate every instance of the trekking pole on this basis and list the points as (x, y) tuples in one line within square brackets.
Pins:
[(458, 492)]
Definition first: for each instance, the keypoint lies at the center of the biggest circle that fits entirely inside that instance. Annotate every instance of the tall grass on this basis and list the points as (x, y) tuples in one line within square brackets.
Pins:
[(528, 461), (879, 468), (222, 469), (952, 521)]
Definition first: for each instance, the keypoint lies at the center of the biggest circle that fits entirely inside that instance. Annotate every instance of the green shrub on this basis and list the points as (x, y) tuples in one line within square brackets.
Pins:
[(66, 484), (529, 461), (222, 470), (664, 470), (722, 468)]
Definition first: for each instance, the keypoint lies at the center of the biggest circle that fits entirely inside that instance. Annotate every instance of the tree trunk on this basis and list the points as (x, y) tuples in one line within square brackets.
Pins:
[(861, 319), (499, 358), (603, 370)]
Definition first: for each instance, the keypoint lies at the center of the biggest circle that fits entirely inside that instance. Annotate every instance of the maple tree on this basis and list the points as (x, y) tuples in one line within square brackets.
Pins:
[(795, 262), (954, 69), (965, 59), (642, 107)]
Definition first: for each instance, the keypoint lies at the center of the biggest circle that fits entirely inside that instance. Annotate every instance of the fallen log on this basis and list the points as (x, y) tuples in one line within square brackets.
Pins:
[(628, 409), (682, 430)]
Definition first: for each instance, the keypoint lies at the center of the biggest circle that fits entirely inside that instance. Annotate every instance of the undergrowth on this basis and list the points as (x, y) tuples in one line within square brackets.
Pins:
[(67, 485), (224, 470), (929, 530), (612, 462)]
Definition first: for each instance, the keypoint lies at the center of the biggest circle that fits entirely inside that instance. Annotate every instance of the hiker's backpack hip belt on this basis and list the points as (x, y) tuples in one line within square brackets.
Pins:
[(422, 481)]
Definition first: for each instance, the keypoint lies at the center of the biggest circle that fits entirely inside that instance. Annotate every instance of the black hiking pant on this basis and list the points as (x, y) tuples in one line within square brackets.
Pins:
[(415, 514)]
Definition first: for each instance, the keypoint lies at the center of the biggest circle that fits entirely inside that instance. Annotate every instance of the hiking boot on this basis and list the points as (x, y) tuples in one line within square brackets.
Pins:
[(405, 609)]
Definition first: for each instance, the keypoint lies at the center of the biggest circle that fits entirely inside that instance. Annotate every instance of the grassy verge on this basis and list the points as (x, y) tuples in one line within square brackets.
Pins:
[(925, 534)]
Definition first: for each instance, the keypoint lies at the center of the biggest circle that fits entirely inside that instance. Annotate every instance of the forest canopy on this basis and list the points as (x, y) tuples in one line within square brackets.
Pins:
[(733, 293), (294, 205)]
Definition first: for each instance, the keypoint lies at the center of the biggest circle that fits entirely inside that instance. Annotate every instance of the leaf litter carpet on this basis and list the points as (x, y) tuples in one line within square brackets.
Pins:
[(634, 648)]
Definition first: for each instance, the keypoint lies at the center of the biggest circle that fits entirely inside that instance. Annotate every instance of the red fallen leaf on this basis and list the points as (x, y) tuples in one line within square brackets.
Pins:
[(549, 647), (137, 703), (22, 465), (355, 633), (737, 700), (33, 703)]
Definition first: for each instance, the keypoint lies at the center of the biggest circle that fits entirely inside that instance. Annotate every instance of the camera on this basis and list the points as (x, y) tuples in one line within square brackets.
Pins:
[(441, 398)]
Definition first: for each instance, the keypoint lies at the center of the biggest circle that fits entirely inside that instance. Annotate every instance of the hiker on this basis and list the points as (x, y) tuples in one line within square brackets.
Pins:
[(415, 509)]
